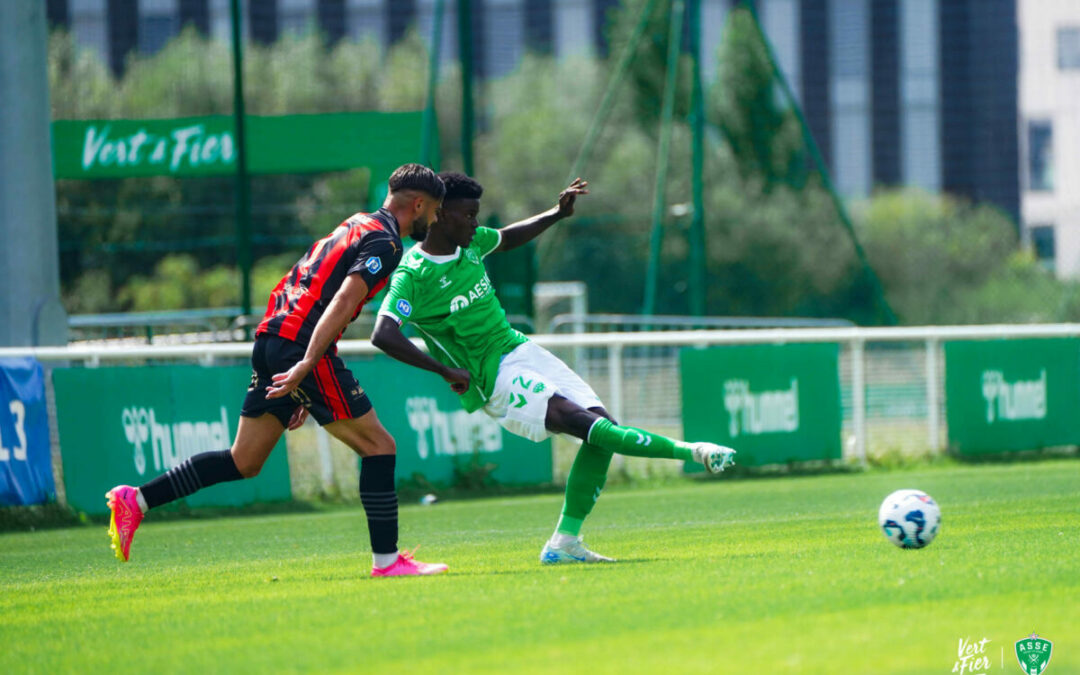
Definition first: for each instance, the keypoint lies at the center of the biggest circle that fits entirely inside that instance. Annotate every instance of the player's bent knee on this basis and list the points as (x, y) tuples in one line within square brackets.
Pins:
[(248, 467), (384, 445)]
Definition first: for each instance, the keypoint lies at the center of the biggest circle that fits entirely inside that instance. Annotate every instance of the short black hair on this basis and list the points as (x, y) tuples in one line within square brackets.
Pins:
[(417, 177), (460, 186)]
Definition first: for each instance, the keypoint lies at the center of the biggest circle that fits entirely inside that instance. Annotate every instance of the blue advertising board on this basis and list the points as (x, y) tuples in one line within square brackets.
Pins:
[(26, 475)]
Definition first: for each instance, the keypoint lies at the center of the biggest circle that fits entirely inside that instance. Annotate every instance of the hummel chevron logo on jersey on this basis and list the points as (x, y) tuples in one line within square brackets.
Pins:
[(521, 401)]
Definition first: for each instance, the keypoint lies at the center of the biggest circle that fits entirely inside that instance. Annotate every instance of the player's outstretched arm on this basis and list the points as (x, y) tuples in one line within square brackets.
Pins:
[(524, 231), (388, 337), (331, 323)]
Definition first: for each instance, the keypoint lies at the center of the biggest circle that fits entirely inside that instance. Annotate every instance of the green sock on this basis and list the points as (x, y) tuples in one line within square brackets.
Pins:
[(637, 442), (587, 477)]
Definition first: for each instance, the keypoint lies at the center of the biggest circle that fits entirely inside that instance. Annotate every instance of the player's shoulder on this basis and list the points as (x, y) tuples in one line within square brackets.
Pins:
[(485, 239), (486, 232), (414, 264)]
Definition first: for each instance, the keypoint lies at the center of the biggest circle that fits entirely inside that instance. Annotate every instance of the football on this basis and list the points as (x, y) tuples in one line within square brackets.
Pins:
[(909, 518)]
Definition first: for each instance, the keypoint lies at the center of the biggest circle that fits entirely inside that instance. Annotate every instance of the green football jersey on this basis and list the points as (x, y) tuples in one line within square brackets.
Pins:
[(450, 301)]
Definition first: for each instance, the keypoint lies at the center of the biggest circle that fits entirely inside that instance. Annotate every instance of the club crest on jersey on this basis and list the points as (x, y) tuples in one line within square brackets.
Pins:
[(471, 255), (404, 308), (373, 265)]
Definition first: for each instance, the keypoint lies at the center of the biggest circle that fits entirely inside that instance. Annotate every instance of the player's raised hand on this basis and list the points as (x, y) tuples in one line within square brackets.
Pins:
[(285, 383), (569, 195), (458, 379)]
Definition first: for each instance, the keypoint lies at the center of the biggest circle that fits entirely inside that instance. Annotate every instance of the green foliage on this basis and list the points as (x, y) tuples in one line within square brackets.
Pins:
[(80, 84), (648, 72), (178, 283), (944, 261), (765, 140), (775, 245)]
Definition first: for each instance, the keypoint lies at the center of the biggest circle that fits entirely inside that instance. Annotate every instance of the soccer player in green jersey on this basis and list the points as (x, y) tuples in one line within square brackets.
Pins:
[(442, 289)]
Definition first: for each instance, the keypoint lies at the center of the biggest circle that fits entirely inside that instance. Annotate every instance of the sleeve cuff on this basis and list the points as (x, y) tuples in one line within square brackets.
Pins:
[(396, 318)]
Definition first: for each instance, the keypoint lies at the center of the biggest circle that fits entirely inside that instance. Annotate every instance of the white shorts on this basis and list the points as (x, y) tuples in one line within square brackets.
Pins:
[(528, 377)]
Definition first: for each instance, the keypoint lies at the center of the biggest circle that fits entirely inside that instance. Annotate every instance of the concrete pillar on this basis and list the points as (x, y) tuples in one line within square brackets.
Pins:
[(30, 309)]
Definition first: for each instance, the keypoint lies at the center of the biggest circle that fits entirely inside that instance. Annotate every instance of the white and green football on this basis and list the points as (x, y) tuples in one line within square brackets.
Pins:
[(909, 518)]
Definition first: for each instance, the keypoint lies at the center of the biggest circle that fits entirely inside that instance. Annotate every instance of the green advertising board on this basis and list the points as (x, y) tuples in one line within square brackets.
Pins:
[(127, 425), (206, 146), (1007, 395), (434, 434), (772, 403)]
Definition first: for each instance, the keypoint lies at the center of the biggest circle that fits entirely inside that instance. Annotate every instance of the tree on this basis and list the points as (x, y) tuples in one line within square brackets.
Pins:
[(765, 139)]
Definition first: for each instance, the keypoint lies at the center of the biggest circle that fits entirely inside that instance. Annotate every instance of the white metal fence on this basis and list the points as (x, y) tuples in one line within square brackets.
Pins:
[(891, 378)]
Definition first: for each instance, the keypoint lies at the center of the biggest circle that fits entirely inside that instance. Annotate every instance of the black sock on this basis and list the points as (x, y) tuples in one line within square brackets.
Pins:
[(379, 497), (202, 470)]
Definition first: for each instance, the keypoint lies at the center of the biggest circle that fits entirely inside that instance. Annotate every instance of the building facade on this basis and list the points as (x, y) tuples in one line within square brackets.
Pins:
[(896, 92), (1050, 131)]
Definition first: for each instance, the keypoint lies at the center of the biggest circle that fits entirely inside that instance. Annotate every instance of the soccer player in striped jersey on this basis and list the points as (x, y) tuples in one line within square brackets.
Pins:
[(296, 371), (442, 289)]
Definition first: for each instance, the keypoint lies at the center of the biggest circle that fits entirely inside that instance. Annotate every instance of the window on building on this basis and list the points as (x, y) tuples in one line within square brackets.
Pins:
[(425, 21), (159, 21), (574, 33), (296, 17), (1040, 156), (1068, 40), (89, 26), (504, 35), (221, 20), (920, 117), (1042, 242), (849, 35), (364, 19)]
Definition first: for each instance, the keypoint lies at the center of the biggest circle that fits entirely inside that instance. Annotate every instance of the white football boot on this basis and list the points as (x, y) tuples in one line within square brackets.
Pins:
[(572, 551), (714, 457)]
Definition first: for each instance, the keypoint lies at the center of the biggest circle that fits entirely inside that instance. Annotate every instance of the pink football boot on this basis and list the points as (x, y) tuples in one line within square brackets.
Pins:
[(405, 565), (126, 516)]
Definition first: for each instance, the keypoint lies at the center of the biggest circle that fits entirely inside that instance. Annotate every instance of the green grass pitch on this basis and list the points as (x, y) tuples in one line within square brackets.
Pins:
[(748, 576)]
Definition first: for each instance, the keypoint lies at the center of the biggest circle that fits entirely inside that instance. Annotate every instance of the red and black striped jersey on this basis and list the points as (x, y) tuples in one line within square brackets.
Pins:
[(365, 244)]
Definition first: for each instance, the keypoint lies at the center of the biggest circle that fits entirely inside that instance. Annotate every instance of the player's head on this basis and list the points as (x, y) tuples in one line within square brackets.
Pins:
[(457, 215), (417, 191)]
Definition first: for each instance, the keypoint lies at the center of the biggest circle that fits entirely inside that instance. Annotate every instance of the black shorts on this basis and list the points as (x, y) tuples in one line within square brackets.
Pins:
[(329, 392)]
